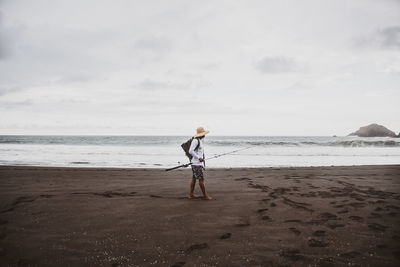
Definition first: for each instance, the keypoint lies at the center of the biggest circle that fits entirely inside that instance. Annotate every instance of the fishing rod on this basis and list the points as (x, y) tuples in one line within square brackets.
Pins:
[(214, 157), (217, 156)]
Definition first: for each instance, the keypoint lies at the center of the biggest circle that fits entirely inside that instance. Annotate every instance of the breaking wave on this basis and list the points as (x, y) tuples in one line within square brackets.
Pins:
[(339, 143), (219, 141)]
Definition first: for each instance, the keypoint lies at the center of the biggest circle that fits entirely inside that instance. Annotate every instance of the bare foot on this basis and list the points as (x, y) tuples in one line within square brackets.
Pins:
[(207, 197), (192, 196)]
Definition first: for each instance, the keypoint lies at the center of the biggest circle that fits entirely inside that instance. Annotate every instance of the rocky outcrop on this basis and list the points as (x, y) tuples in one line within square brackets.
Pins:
[(374, 130)]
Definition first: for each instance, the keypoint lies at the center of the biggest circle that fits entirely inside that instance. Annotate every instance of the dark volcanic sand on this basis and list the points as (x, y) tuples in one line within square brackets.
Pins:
[(325, 216)]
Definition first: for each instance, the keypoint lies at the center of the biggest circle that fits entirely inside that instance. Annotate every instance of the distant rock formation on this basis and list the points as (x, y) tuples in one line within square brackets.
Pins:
[(374, 130)]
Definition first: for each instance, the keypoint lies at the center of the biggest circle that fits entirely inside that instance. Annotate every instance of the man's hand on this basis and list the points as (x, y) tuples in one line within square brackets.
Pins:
[(201, 159)]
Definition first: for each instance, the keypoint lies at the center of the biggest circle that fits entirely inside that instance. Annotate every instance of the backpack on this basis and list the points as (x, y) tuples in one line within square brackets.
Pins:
[(186, 146)]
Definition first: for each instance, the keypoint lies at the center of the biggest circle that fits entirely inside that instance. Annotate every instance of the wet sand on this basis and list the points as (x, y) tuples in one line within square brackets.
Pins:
[(319, 216)]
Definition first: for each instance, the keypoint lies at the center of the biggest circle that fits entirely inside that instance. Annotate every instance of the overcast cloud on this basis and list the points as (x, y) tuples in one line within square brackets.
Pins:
[(166, 67), (277, 65)]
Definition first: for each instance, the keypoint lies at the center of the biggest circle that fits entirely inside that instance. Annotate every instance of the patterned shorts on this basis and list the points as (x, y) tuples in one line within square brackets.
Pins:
[(197, 172)]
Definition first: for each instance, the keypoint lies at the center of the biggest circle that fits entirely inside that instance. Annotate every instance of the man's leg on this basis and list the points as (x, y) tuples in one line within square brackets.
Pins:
[(203, 189), (192, 184)]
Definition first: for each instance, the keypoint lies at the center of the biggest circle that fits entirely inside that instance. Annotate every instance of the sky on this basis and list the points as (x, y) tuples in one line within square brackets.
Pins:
[(246, 67)]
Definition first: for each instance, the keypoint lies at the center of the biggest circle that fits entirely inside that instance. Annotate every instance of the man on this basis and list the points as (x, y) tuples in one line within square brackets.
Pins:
[(197, 151)]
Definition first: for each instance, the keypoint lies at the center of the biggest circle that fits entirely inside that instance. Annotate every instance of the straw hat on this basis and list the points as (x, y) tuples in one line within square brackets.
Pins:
[(201, 132)]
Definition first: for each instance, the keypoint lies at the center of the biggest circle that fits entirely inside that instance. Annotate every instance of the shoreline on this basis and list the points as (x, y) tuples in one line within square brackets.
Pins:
[(270, 216), (207, 168)]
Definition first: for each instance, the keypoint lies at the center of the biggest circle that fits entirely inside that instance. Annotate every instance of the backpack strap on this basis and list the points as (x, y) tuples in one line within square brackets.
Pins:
[(197, 147), (198, 144)]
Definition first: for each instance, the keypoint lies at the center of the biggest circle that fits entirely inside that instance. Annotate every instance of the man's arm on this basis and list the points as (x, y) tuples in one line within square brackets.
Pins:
[(192, 147)]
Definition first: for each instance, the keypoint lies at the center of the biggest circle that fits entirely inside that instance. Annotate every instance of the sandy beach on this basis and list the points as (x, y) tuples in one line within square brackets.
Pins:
[(311, 216)]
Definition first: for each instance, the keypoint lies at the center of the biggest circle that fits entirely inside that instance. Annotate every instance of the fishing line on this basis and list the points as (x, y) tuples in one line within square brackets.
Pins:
[(214, 157)]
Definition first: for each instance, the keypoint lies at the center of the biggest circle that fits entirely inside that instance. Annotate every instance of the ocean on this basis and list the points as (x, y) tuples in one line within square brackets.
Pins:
[(165, 151)]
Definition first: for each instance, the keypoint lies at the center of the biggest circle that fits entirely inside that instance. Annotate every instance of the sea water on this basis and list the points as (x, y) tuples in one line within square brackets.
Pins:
[(165, 151)]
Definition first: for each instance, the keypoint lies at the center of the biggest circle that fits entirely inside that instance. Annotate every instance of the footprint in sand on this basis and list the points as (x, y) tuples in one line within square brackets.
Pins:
[(293, 220), (110, 194), (243, 179), (18, 201), (242, 224), (350, 255), (356, 204), (46, 196), (328, 216), (178, 264), (375, 215), (297, 205), (282, 190), (196, 247), (319, 233), (326, 262), (295, 231), (273, 195), (317, 243), (261, 210), (342, 211), (314, 187), (292, 254), (225, 236), (24, 199), (392, 207), (263, 188), (335, 225), (266, 218), (355, 218)]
